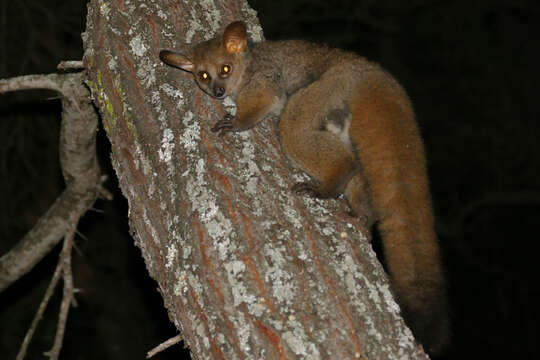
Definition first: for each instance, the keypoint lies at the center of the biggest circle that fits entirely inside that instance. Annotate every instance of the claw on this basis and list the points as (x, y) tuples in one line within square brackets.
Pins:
[(224, 126), (306, 188)]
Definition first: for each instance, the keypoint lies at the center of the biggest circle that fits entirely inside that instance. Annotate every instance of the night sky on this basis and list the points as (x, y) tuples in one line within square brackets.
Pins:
[(470, 68)]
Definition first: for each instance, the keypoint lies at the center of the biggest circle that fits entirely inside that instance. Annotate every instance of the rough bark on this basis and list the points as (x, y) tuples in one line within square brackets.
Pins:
[(246, 268)]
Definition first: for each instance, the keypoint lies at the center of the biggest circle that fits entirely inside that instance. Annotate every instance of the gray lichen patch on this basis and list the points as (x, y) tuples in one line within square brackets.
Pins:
[(204, 202), (171, 255), (283, 287), (244, 331), (298, 342), (235, 276), (167, 146), (191, 134), (146, 72), (212, 17), (138, 46), (175, 94), (104, 9), (255, 32)]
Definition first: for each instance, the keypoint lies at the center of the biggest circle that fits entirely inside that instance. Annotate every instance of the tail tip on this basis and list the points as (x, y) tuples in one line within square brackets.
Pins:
[(431, 328)]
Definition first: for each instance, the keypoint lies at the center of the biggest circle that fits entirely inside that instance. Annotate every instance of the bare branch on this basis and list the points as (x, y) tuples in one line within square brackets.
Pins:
[(164, 345), (33, 82), (64, 267), (67, 299), (70, 65), (39, 313), (79, 167)]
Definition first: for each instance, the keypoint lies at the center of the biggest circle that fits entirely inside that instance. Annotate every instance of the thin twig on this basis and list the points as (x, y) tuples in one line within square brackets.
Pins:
[(70, 64), (165, 345), (29, 82), (39, 313), (63, 267), (103, 192), (67, 298), (81, 235)]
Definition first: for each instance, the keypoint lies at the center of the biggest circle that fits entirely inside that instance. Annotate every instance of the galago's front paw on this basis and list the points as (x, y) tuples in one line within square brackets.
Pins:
[(224, 125), (306, 188)]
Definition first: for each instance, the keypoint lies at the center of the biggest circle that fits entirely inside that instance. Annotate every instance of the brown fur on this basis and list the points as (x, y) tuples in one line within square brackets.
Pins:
[(349, 125)]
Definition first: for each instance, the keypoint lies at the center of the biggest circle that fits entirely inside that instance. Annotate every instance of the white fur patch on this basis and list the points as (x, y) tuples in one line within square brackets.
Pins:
[(279, 104), (341, 132)]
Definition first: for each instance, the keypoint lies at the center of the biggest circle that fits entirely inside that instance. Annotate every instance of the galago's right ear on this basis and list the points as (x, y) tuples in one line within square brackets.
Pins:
[(176, 59), (235, 38)]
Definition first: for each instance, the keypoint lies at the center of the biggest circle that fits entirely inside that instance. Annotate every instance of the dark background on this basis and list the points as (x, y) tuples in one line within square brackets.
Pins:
[(471, 70)]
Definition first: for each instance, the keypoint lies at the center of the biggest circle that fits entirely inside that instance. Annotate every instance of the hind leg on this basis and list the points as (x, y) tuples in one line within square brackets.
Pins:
[(330, 168), (358, 199), (306, 139)]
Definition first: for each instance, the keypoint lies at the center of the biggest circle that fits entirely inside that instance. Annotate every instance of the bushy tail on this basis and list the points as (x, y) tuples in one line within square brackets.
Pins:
[(390, 150)]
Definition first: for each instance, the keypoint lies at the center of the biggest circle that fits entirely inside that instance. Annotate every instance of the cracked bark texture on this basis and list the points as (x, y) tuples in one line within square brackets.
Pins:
[(247, 269)]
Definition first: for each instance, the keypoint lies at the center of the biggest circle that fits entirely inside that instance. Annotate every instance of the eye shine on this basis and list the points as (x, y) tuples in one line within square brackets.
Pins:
[(204, 77), (225, 70)]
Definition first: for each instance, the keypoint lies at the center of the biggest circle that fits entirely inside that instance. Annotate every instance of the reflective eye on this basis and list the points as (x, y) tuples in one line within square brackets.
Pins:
[(225, 70), (204, 76)]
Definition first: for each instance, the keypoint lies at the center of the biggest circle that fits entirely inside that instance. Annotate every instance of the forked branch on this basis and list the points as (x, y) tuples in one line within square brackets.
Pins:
[(79, 167)]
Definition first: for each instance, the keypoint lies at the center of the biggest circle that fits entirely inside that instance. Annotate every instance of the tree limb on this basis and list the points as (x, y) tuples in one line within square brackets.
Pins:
[(246, 268), (79, 167)]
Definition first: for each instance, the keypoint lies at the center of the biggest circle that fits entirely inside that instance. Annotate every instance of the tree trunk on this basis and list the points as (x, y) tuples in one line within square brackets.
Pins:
[(246, 268)]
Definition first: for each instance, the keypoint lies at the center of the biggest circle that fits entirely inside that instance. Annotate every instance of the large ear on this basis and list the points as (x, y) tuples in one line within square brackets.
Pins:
[(176, 59), (235, 37)]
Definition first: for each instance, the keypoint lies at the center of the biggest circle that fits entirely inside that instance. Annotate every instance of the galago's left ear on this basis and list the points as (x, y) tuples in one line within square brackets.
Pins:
[(235, 38), (176, 59)]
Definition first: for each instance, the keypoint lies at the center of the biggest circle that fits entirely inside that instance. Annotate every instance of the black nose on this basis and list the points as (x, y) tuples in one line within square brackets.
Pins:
[(219, 91)]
